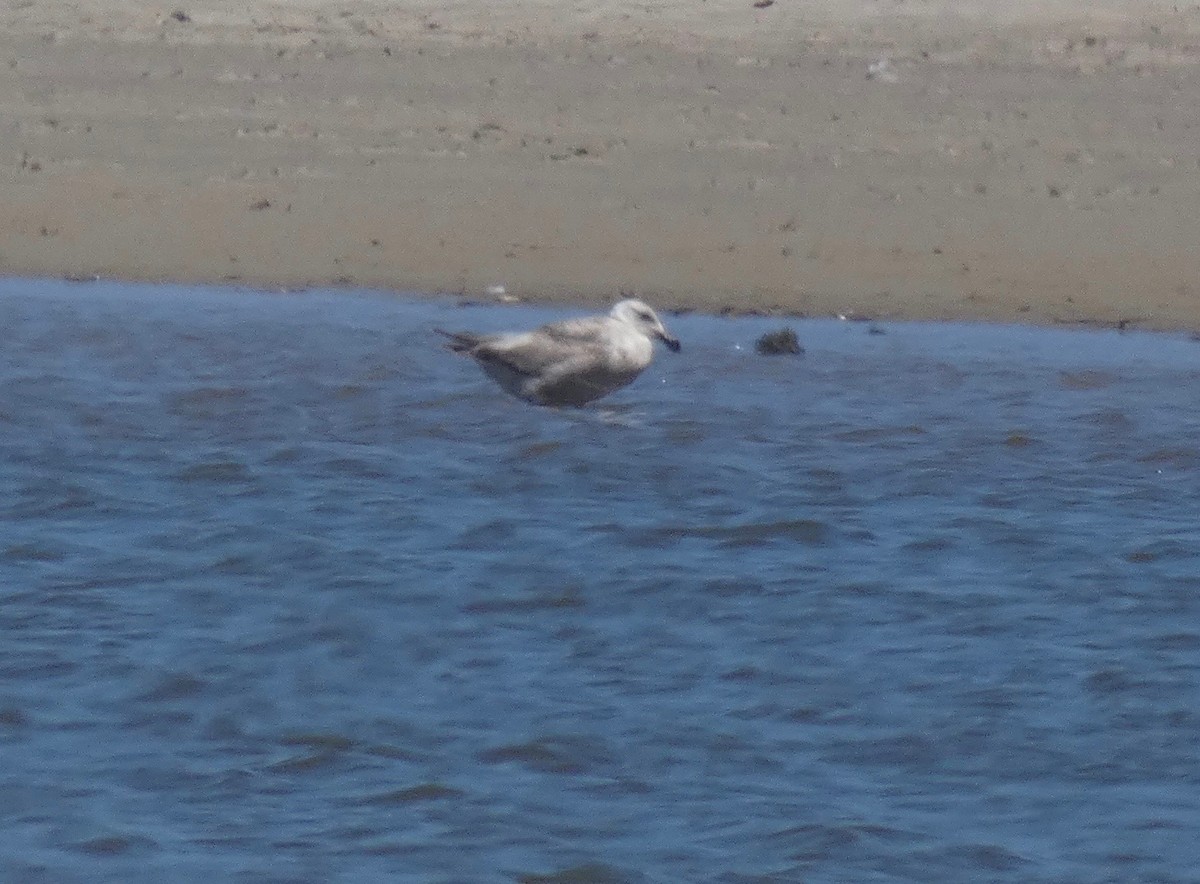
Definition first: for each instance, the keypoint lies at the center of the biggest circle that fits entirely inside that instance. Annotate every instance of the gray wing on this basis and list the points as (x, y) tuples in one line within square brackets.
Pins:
[(578, 381), (539, 352)]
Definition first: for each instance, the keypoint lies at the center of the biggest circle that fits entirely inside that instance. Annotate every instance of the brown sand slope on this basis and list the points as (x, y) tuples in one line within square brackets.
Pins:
[(914, 159)]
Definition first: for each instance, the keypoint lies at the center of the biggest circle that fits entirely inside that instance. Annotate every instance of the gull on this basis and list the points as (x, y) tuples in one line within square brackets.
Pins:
[(571, 362)]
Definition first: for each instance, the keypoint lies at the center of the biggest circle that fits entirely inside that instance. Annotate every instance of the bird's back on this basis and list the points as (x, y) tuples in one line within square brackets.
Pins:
[(564, 363)]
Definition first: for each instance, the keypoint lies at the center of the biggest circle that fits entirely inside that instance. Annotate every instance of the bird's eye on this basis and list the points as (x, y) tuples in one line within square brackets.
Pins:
[(646, 317)]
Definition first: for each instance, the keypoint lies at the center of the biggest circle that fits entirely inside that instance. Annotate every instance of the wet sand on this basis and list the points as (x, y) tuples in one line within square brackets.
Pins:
[(907, 160)]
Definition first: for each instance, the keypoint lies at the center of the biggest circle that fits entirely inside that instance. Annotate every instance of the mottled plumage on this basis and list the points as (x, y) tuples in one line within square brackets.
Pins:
[(571, 362)]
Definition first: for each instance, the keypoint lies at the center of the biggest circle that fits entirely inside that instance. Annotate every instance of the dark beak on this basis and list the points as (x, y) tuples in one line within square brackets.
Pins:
[(672, 343)]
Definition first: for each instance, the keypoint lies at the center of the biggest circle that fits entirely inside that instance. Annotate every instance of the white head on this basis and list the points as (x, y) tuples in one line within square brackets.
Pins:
[(640, 316)]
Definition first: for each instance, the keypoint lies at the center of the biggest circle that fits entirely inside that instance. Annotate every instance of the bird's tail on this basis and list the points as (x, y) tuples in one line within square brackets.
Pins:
[(459, 342)]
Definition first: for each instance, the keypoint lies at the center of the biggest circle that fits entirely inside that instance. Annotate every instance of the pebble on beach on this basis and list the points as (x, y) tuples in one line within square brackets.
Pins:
[(779, 342)]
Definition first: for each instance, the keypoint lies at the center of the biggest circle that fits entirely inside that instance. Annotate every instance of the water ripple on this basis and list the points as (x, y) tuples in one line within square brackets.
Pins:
[(287, 590)]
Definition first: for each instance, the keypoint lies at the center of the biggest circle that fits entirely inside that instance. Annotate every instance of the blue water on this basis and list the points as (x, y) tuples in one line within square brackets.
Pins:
[(289, 593)]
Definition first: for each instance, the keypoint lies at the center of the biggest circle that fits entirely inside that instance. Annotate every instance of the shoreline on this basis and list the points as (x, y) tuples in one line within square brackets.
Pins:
[(874, 323), (922, 160)]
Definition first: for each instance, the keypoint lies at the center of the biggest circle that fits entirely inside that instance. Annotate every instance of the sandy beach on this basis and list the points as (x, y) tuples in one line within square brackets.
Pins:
[(926, 159)]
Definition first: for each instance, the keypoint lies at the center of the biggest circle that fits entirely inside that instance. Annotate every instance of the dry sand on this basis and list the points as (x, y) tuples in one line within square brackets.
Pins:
[(917, 159)]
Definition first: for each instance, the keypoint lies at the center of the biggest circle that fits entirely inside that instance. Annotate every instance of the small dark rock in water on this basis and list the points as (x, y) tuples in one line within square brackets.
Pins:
[(777, 342)]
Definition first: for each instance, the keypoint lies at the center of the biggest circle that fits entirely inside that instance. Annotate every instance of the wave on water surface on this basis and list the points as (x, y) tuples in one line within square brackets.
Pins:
[(288, 592)]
